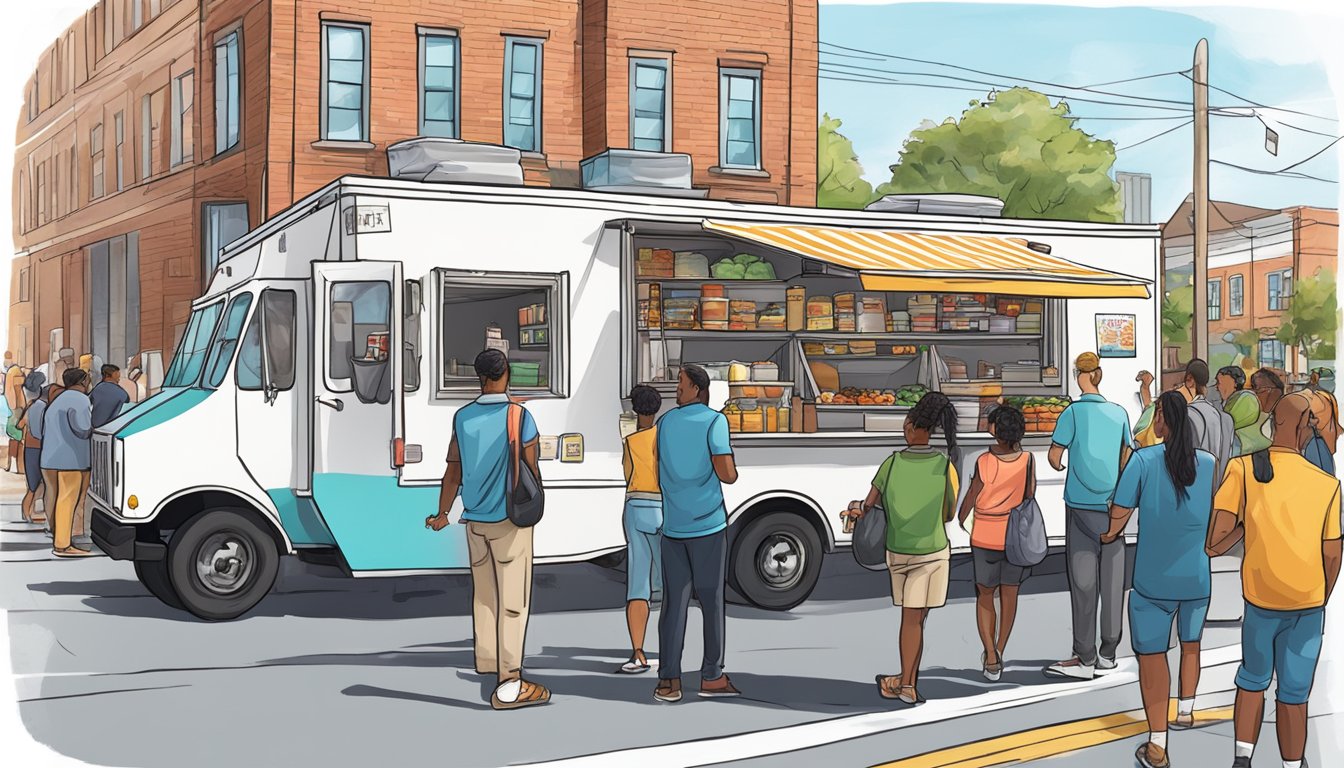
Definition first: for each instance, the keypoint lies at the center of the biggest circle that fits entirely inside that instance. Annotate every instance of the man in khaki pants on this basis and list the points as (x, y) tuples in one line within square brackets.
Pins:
[(501, 553), (67, 427)]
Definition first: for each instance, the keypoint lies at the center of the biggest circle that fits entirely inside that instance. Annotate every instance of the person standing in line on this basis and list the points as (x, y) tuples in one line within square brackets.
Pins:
[(1002, 481), (50, 483), (1095, 433), (31, 423), (1211, 426), (1242, 405), (64, 362), (1269, 389), (108, 397), (1171, 484), (917, 487), (694, 460), (1325, 427), (66, 428), (642, 521), (14, 401), (479, 457), (1289, 513)]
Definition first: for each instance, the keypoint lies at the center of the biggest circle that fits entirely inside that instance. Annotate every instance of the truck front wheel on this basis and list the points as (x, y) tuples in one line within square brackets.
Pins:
[(154, 575), (222, 563), (776, 560)]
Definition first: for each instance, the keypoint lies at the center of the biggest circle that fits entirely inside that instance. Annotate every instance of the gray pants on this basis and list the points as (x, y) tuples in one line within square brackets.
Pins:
[(700, 564), (1096, 571)]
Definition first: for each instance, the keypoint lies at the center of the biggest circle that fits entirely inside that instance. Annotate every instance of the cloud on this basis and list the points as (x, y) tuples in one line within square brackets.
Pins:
[(1274, 36)]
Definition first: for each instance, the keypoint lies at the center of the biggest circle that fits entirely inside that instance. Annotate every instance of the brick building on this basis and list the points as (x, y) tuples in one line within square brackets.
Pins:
[(156, 131), (1256, 257)]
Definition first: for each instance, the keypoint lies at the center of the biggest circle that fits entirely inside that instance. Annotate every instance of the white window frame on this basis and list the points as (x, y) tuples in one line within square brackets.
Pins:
[(1236, 295), (557, 286), (1279, 302), (365, 85), (423, 35), (179, 156), (538, 91), (1282, 349), (1215, 298), (757, 76), (233, 99), (664, 64)]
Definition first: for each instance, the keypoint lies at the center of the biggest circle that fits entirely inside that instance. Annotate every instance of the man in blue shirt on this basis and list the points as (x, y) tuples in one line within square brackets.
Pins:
[(479, 469), (66, 428), (108, 397), (1172, 486), (694, 457), (1097, 437)]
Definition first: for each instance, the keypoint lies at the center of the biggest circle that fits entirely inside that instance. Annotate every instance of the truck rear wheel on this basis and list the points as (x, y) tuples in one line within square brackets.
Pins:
[(222, 563), (154, 575), (776, 560)]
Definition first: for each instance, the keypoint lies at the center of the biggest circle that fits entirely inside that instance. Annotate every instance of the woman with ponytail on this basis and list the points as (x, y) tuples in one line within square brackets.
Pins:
[(917, 488), (1172, 486)]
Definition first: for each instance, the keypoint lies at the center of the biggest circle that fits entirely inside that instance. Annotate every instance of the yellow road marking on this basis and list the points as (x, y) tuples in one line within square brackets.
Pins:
[(1047, 742)]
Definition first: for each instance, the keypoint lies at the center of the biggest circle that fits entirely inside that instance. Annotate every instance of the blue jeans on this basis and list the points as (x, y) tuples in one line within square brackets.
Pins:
[(643, 547), (698, 564), (1150, 622), (1283, 643)]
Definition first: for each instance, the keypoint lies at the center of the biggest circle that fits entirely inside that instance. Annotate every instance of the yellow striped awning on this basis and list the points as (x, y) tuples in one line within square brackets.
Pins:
[(888, 260)]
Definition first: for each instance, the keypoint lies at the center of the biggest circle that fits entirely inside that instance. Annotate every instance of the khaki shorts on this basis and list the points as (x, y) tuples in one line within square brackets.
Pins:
[(920, 581)]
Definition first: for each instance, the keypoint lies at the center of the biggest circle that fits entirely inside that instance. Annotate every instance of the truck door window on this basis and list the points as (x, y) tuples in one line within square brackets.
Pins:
[(277, 313), (226, 342), (190, 358), (358, 318)]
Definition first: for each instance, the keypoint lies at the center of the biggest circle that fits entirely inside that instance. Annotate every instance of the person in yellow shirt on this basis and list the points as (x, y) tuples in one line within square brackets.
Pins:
[(1289, 513), (643, 521)]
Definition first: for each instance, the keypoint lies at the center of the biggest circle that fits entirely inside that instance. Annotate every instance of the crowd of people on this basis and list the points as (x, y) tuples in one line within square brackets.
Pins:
[(53, 411)]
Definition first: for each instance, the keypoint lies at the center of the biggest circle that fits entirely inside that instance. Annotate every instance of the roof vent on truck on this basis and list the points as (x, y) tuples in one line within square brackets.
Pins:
[(640, 172), (450, 160), (943, 205)]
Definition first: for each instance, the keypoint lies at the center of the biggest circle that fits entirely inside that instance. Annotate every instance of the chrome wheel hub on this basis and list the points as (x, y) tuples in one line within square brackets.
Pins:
[(224, 563), (780, 560)]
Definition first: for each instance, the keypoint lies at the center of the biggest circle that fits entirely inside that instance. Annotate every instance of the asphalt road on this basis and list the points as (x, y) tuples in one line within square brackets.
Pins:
[(334, 671)]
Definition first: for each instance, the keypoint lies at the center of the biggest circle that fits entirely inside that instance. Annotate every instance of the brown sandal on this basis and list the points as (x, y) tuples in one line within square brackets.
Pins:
[(889, 686), (73, 552), (529, 695)]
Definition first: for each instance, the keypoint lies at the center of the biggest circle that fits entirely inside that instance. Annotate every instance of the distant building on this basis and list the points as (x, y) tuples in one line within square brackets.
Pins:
[(154, 132), (1256, 256), (1136, 197)]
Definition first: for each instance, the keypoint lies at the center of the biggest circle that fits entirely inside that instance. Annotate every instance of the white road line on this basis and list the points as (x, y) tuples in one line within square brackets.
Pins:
[(775, 741)]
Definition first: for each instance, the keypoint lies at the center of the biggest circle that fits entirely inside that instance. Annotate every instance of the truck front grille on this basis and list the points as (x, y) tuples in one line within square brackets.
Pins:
[(100, 485)]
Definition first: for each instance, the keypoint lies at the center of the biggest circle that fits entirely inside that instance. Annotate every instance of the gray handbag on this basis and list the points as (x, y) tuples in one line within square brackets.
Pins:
[(869, 544), (1025, 543)]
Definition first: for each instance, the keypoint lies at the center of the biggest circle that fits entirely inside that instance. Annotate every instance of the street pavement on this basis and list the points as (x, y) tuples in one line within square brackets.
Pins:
[(336, 671)]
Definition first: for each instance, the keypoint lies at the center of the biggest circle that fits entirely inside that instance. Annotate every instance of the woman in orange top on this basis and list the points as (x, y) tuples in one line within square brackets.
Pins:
[(1003, 479)]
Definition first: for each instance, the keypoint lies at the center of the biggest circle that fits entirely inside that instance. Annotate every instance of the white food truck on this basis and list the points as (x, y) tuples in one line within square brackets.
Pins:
[(309, 406)]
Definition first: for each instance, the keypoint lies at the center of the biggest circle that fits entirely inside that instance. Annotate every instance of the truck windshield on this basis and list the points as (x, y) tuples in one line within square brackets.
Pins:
[(226, 341), (190, 358)]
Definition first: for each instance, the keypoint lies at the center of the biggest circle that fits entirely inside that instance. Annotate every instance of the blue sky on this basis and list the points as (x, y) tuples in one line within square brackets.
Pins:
[(1268, 57)]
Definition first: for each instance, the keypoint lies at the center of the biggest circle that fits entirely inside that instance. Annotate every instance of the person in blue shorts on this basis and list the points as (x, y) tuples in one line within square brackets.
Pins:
[(1171, 484), (642, 521)]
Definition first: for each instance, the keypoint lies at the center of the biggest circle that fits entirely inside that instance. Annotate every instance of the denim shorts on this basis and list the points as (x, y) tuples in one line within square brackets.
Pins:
[(1282, 643), (644, 562), (1150, 622)]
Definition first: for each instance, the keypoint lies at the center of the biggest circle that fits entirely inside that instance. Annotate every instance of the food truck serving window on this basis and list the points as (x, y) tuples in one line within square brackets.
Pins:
[(524, 315)]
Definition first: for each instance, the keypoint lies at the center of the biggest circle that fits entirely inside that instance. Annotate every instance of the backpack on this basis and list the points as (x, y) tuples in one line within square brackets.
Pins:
[(1024, 543), (526, 499)]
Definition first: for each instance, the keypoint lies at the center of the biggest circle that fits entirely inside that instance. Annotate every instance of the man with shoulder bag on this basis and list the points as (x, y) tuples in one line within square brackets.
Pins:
[(492, 464)]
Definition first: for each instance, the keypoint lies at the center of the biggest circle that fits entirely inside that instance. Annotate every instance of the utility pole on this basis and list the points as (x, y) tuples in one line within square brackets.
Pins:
[(1199, 326)]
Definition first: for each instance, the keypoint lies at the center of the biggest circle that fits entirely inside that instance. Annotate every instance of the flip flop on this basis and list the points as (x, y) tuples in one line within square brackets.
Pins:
[(73, 552), (633, 667), (889, 686), (530, 695)]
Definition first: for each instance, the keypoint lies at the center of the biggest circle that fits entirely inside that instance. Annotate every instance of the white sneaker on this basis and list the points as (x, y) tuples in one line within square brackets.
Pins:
[(1105, 665), (1072, 669)]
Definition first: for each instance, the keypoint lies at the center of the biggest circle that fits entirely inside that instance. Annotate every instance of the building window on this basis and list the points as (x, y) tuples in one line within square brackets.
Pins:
[(41, 194), (96, 152), (438, 84), (1236, 295), (114, 297), (183, 119), (522, 94), (137, 14), (146, 138), (739, 118), (1280, 289), (345, 82), (224, 223), (1272, 353), (25, 290), (72, 196), (650, 104), (228, 94), (531, 313), (119, 126), (1215, 299)]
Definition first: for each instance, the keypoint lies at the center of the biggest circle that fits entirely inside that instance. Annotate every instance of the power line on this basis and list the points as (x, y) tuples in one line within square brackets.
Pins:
[(1258, 104), (1286, 175), (1165, 117), (996, 74), (1136, 79), (1158, 136), (875, 80)]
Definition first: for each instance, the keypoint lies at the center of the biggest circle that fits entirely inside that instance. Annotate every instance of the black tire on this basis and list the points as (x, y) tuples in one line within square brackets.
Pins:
[(612, 560), (776, 560), (219, 589), (154, 575)]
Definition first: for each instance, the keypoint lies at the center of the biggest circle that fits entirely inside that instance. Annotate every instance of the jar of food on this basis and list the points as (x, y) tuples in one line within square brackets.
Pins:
[(771, 418), (753, 420), (782, 422)]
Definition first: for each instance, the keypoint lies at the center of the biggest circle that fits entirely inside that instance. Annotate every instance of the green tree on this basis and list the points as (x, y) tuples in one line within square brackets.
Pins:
[(1312, 317), (1019, 149), (1178, 312), (840, 182)]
